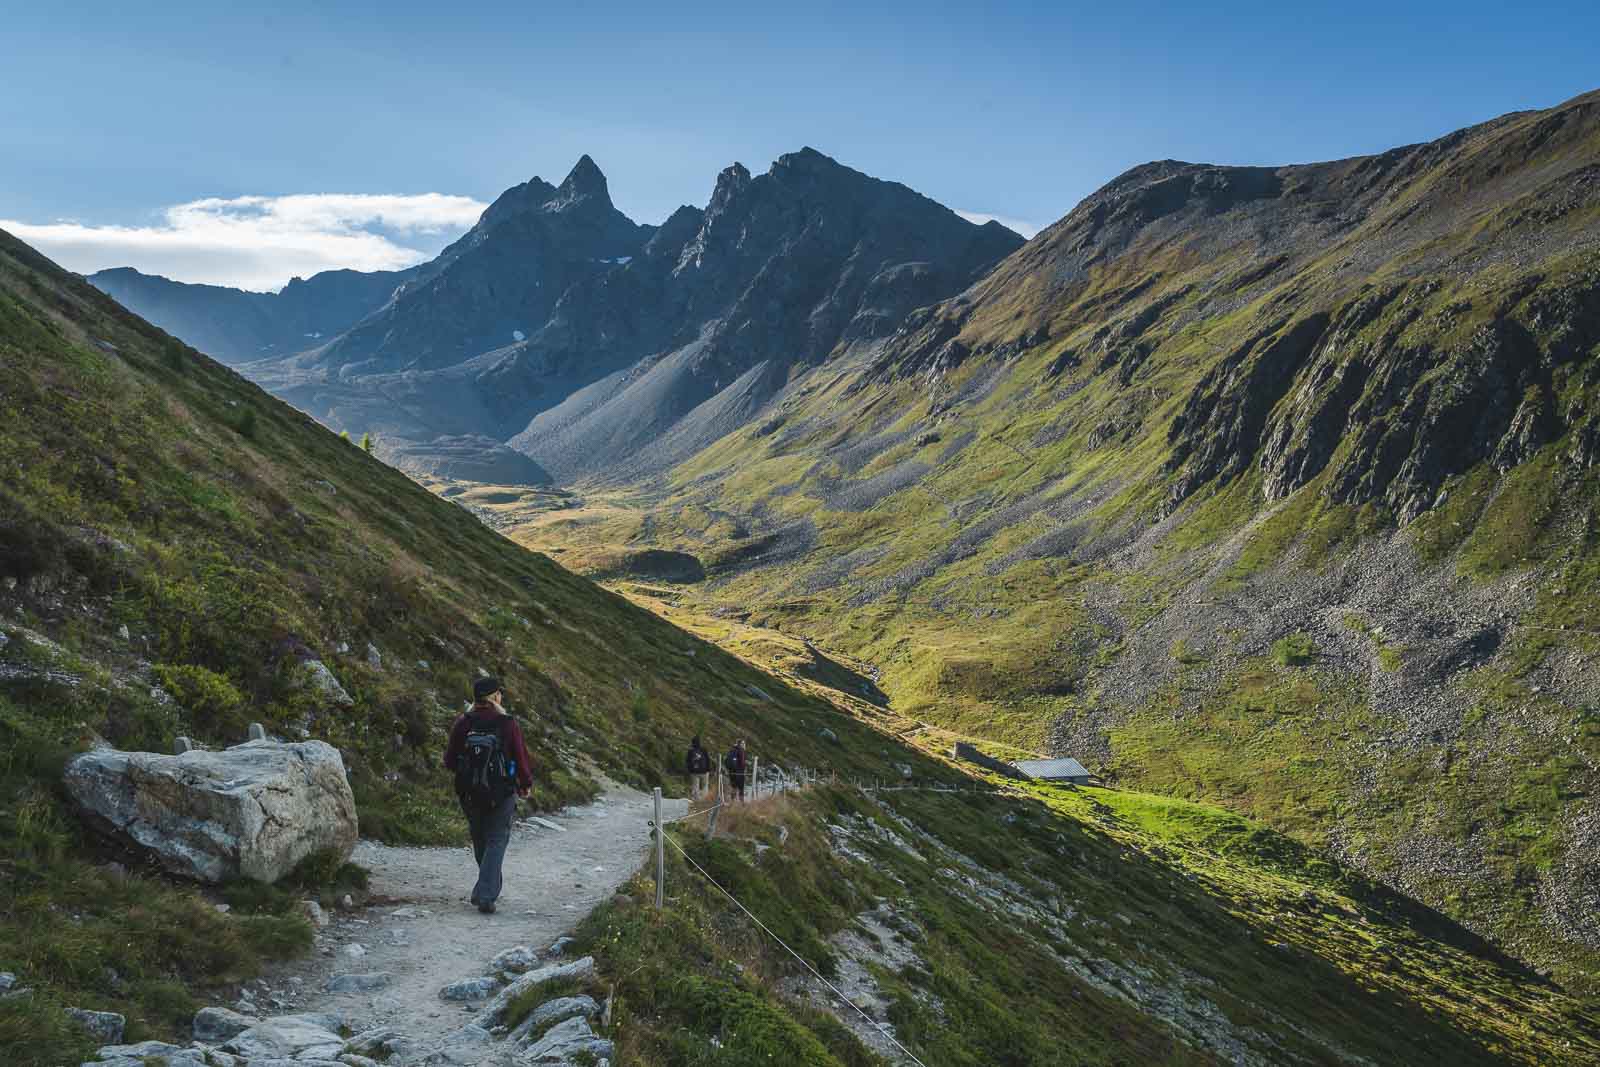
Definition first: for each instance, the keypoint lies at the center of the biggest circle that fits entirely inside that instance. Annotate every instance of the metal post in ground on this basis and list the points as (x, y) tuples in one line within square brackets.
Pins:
[(755, 779), (661, 855)]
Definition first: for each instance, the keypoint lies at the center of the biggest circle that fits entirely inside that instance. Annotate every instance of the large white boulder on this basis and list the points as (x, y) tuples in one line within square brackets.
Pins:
[(253, 810)]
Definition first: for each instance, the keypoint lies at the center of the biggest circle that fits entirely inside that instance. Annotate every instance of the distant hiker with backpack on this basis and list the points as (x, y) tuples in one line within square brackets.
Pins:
[(698, 764), (490, 760), (735, 764)]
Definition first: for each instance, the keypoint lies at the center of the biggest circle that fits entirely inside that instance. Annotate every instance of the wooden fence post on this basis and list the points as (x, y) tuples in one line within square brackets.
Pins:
[(661, 855)]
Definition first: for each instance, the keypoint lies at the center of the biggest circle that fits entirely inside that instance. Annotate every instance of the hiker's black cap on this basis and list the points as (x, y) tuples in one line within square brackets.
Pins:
[(484, 688)]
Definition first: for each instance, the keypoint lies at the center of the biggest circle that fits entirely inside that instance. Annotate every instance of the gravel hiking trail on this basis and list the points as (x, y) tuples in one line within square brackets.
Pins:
[(420, 929)]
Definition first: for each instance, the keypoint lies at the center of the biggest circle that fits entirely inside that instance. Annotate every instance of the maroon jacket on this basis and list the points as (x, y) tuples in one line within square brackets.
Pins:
[(484, 717)]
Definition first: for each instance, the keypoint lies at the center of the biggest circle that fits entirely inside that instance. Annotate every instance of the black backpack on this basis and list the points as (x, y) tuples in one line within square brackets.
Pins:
[(733, 761), (483, 771)]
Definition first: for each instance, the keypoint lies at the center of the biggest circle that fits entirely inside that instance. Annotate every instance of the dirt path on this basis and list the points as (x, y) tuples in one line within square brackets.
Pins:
[(426, 935)]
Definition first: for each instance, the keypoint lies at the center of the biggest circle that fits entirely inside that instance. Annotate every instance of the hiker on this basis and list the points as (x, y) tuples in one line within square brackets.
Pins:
[(492, 768), (698, 763), (735, 763)]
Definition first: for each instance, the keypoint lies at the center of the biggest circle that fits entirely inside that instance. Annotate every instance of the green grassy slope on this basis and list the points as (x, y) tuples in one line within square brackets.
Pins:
[(1269, 487), (1037, 928)]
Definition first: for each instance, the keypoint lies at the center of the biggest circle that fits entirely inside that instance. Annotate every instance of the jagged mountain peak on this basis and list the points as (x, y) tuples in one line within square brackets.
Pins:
[(586, 179), (730, 182), (806, 159)]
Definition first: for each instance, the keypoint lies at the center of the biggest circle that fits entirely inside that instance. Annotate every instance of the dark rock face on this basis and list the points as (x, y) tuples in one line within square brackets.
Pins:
[(1220, 427), (499, 280), (782, 269)]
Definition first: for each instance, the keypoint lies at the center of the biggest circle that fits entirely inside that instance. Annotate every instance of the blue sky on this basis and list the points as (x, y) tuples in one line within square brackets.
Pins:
[(127, 118)]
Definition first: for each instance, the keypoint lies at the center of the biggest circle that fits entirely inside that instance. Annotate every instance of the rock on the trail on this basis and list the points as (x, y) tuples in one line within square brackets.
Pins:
[(186, 1057), (355, 950), (216, 1024), (517, 960), (553, 1011), (559, 945), (106, 1026), (250, 811), (494, 1011), (377, 1042), (351, 1059), (471, 989), (141, 1052), (564, 1041), (314, 913), (459, 1048), (359, 983), (327, 1020), (286, 1037)]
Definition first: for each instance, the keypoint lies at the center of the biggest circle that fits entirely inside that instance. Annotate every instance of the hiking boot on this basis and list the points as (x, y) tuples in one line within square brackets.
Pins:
[(487, 907)]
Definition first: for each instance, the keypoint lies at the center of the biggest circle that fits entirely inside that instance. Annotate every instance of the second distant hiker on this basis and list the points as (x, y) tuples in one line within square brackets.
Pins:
[(698, 764), (736, 764), (492, 768)]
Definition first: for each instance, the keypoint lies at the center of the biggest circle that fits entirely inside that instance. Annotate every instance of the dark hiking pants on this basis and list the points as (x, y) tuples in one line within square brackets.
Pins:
[(491, 832)]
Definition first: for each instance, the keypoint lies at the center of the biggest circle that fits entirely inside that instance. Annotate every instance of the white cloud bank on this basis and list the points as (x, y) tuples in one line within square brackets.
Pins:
[(260, 242), (1025, 228)]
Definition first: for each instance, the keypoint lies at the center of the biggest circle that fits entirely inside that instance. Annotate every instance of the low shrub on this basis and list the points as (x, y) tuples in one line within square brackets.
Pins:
[(1294, 650)]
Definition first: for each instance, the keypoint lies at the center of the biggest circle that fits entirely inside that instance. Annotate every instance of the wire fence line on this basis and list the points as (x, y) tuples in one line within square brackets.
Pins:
[(887, 1035), (784, 784)]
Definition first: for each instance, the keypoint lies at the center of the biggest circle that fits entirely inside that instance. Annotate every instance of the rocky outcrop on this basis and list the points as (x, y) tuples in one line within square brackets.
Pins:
[(104, 1026), (316, 678), (566, 1041), (1217, 433), (251, 811), (494, 1011)]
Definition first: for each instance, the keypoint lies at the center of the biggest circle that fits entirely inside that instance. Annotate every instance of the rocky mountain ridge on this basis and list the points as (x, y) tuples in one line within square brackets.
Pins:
[(594, 345)]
